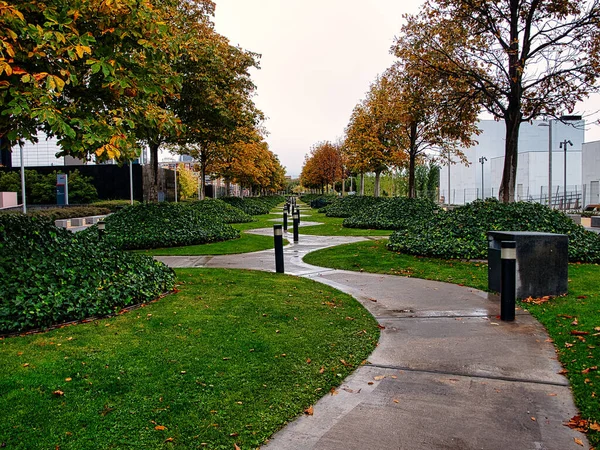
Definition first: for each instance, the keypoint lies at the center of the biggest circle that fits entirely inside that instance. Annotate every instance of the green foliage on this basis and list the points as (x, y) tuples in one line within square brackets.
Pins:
[(318, 200), (187, 182), (462, 232), (114, 205), (255, 205), (68, 212), (221, 210), (41, 189), (50, 275), (350, 205), (394, 214), (155, 225)]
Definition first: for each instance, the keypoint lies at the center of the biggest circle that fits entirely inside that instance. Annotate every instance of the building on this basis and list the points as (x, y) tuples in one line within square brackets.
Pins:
[(481, 177), (590, 172)]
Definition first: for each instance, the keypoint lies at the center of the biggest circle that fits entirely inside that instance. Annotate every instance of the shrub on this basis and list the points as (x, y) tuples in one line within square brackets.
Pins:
[(221, 210), (462, 232), (319, 201), (50, 275), (255, 205), (351, 205), (114, 205), (394, 214), (153, 225)]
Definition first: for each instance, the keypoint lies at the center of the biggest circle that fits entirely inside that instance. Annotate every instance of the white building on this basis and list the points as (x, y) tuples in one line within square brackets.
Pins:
[(482, 176), (590, 172)]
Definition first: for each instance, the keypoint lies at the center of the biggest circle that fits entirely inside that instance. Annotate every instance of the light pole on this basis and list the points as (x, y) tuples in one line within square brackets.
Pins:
[(564, 144), (549, 125), (482, 160)]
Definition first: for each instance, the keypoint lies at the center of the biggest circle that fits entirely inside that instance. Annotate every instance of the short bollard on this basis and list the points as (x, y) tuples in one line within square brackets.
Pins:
[(298, 214), (295, 223), (278, 238), (509, 280), (101, 228), (285, 215)]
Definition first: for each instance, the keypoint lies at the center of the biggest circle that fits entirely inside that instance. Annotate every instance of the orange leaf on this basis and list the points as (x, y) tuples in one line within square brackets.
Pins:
[(169, 440), (160, 427), (579, 333), (595, 427), (578, 441), (58, 393), (309, 411), (236, 447)]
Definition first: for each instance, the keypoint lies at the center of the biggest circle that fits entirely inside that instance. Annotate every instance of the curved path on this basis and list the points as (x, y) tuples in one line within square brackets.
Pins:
[(447, 374)]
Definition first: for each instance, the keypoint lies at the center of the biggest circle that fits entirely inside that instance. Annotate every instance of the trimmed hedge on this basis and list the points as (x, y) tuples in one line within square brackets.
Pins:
[(397, 213), (154, 225), (320, 201), (63, 213), (255, 206), (221, 210), (50, 275), (351, 205), (462, 232)]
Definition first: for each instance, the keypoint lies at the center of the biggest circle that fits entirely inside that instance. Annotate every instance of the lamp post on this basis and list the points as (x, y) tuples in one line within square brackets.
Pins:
[(564, 144), (482, 160)]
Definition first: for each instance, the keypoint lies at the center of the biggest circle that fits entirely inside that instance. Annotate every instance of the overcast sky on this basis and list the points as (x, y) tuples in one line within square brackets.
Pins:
[(318, 60)]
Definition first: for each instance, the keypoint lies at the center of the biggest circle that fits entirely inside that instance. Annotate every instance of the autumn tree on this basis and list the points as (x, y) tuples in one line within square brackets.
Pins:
[(522, 58), (373, 137), (323, 167), (187, 182), (426, 115)]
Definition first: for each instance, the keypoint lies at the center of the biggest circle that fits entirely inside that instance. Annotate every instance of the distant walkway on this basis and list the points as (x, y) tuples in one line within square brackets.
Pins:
[(447, 373)]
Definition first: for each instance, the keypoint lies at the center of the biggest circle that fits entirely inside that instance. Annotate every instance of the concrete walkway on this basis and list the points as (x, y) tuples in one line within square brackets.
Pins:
[(447, 373)]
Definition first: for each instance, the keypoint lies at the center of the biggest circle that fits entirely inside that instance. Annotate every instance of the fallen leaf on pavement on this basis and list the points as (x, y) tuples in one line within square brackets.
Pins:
[(309, 411), (578, 441), (577, 423), (379, 377)]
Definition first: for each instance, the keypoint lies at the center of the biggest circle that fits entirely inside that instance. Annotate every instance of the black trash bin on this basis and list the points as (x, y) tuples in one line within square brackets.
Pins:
[(542, 262)]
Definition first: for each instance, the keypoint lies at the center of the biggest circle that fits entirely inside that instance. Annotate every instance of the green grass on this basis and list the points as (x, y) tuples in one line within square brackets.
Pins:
[(245, 244), (332, 226), (372, 256), (579, 354), (229, 359)]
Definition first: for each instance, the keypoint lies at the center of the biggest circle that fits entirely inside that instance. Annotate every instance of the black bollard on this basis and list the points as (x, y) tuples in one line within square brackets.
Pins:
[(278, 238), (298, 214), (508, 275), (285, 215), (296, 222)]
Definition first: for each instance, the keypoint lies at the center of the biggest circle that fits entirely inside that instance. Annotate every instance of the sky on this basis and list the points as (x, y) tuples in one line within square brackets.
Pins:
[(318, 59)]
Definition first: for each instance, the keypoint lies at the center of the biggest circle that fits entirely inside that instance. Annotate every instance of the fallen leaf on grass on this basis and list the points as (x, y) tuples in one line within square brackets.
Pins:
[(309, 411), (169, 440), (160, 427), (579, 333), (594, 426), (58, 393), (563, 372), (322, 369), (568, 345), (345, 363), (236, 447)]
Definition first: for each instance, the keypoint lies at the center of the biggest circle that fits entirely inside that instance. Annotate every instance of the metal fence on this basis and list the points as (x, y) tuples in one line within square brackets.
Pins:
[(574, 197)]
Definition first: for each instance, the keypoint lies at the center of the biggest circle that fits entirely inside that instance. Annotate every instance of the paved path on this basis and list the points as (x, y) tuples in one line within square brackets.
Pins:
[(447, 374)]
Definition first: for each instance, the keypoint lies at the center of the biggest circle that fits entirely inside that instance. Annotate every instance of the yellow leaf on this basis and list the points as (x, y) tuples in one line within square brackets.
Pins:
[(68, 379)]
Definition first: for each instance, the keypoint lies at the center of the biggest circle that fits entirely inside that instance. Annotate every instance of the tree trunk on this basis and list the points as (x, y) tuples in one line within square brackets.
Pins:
[(227, 187), (362, 184), (511, 153), (377, 179), (153, 190)]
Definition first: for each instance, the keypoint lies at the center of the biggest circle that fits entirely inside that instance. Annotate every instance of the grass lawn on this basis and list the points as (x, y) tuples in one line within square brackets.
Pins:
[(229, 359), (572, 321), (245, 244), (332, 226)]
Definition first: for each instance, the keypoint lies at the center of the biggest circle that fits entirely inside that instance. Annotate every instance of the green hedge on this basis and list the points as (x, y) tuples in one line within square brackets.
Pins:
[(255, 206), (394, 214), (50, 275), (63, 213), (113, 205), (221, 210), (319, 201), (462, 232), (351, 205), (154, 225)]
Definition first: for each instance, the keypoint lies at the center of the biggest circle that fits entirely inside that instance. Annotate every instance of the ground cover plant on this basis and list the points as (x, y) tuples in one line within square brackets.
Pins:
[(332, 226), (255, 205), (247, 242), (462, 232), (50, 275), (572, 321), (318, 201), (221, 210), (155, 225), (397, 213), (226, 361), (351, 205), (63, 213)]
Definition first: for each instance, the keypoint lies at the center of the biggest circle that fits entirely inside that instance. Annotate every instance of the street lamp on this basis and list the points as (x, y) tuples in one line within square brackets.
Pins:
[(482, 160), (549, 125), (564, 144)]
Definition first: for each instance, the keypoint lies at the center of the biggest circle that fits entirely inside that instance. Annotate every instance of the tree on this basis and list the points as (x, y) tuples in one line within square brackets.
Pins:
[(521, 58), (323, 167), (187, 182), (426, 115), (373, 137)]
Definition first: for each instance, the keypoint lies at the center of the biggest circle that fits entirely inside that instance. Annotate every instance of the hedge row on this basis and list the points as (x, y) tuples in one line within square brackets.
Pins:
[(393, 214), (220, 210), (63, 213), (153, 225), (462, 232), (255, 206), (50, 275), (351, 205)]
